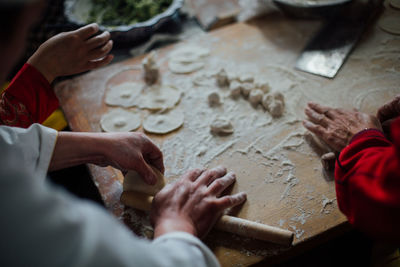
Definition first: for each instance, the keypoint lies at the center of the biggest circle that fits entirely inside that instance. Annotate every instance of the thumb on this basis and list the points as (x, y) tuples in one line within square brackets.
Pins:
[(146, 172)]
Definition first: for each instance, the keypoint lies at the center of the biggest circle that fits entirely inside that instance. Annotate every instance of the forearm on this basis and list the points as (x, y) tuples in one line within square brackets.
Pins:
[(78, 148), (28, 99), (38, 62), (368, 185)]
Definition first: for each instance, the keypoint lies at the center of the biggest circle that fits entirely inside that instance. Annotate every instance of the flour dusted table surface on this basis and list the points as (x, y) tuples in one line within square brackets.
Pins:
[(279, 171)]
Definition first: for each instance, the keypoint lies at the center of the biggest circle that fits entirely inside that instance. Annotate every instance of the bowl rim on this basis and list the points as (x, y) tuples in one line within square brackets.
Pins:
[(170, 11), (312, 4)]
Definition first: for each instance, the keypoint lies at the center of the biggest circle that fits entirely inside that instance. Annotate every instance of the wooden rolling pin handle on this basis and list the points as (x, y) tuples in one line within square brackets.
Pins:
[(255, 230), (226, 223)]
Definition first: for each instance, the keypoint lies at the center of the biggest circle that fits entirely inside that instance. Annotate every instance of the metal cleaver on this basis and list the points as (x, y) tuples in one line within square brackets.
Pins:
[(330, 47)]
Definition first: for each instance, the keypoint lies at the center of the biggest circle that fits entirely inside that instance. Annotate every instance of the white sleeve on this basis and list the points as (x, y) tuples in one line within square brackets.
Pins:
[(30, 148), (43, 225)]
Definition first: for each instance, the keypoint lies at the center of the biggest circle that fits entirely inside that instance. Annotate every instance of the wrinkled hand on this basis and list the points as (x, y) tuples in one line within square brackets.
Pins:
[(133, 151), (390, 110), (337, 126), (194, 203), (73, 52)]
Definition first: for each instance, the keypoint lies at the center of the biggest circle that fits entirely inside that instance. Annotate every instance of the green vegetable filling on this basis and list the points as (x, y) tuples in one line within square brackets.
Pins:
[(125, 12)]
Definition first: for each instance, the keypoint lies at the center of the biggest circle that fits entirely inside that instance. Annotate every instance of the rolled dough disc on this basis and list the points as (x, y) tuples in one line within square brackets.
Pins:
[(134, 182), (187, 59), (159, 97), (184, 68), (189, 53), (120, 120), (163, 123), (390, 24), (124, 94)]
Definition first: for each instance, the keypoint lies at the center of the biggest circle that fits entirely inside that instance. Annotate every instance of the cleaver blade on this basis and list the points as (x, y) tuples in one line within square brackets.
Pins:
[(325, 54)]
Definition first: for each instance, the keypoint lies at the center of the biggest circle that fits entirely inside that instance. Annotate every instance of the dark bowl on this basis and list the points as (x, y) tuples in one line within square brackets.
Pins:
[(77, 10), (309, 9)]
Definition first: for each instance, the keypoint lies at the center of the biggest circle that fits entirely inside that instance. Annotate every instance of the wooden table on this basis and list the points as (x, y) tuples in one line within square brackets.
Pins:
[(289, 191)]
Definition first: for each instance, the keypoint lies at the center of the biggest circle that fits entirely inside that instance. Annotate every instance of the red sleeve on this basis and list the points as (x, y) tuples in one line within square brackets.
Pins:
[(367, 176), (28, 99)]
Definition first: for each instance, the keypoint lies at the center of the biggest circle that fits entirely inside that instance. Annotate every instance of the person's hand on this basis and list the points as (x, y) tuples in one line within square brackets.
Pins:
[(73, 52), (389, 111), (337, 126), (125, 151), (193, 203), (133, 151)]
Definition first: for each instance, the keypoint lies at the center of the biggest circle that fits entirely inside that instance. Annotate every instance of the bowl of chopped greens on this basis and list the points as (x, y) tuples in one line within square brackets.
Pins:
[(126, 20)]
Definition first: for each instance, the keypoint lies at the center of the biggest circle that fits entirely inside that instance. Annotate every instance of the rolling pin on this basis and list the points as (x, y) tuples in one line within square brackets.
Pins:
[(226, 223)]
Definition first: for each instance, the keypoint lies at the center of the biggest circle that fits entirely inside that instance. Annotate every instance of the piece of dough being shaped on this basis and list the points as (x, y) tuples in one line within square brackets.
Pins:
[(134, 182), (120, 120), (163, 123), (124, 94), (159, 97)]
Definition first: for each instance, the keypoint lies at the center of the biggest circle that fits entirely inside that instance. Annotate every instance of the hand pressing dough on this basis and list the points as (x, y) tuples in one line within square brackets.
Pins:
[(159, 97), (134, 182), (221, 126), (255, 97), (124, 94), (246, 89), (151, 71), (120, 120), (187, 59), (234, 89), (222, 78), (214, 99), (390, 24), (163, 123)]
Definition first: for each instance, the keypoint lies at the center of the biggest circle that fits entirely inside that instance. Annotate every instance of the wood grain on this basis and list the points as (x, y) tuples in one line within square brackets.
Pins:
[(270, 45)]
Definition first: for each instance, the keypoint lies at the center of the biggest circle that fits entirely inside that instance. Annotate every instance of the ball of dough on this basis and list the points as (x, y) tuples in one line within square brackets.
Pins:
[(267, 100), (214, 99), (235, 89), (150, 68), (255, 97), (120, 120), (246, 89), (222, 78), (274, 103), (263, 86), (278, 96), (276, 108), (246, 78), (134, 182), (124, 94), (163, 123), (221, 126)]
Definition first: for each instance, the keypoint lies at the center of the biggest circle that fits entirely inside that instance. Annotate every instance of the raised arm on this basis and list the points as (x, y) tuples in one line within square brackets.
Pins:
[(29, 98)]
